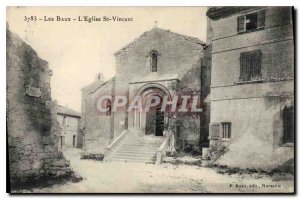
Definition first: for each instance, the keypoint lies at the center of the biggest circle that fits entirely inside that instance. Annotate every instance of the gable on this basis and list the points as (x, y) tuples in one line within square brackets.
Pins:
[(156, 34), (95, 86)]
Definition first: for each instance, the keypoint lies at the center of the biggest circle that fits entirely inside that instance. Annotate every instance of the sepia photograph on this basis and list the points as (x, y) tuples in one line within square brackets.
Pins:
[(150, 99)]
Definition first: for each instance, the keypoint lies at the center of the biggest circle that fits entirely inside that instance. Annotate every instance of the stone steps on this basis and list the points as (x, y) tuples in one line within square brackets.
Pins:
[(140, 147), (142, 142), (144, 151), (137, 149), (136, 156), (150, 161)]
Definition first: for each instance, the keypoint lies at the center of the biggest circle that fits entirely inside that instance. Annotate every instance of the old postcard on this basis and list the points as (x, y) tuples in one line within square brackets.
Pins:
[(150, 99)]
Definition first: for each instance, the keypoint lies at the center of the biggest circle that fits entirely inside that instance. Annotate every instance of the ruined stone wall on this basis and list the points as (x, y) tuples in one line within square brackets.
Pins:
[(32, 129)]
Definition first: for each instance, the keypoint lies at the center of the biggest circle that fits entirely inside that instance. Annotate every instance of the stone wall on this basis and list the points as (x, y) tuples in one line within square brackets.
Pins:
[(257, 132), (179, 59), (32, 129), (275, 42), (177, 55), (205, 95), (255, 117), (98, 127)]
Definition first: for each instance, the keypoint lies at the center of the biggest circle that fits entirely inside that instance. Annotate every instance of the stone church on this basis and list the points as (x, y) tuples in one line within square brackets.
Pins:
[(153, 64)]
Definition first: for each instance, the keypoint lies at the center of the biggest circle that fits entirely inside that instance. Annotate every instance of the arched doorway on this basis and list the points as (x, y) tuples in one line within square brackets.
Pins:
[(152, 121)]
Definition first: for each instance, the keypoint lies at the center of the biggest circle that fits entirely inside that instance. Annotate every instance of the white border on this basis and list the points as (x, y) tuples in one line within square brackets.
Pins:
[(5, 3)]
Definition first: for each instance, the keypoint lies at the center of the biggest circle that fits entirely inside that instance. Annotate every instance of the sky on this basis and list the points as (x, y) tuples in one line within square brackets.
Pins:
[(77, 50)]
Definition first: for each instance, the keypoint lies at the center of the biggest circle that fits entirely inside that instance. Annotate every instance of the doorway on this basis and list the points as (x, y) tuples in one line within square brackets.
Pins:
[(288, 124), (159, 122), (155, 122), (150, 120)]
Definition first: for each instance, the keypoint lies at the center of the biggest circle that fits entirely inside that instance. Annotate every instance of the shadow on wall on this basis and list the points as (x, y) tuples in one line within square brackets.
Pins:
[(248, 151), (277, 130), (187, 125)]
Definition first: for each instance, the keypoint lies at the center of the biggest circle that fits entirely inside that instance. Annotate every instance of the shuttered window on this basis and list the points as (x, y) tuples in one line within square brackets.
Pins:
[(250, 65), (250, 22), (226, 130), (261, 16), (241, 24), (288, 123), (215, 130)]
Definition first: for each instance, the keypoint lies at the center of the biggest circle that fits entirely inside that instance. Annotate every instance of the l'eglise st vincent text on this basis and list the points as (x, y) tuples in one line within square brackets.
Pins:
[(105, 18), (89, 19)]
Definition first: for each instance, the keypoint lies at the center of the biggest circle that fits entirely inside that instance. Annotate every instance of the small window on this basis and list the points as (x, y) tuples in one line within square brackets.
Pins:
[(250, 65), (108, 107), (65, 122), (226, 130), (288, 124), (153, 62), (74, 140), (251, 22), (63, 140)]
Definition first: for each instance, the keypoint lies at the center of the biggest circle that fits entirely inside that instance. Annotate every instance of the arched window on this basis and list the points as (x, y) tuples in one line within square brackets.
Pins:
[(108, 107), (153, 62)]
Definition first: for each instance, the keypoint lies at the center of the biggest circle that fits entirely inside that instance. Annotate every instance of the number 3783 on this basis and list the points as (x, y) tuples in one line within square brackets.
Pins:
[(30, 18)]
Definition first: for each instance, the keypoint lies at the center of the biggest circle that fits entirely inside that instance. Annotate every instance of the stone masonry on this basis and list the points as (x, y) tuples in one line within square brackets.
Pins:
[(32, 128), (180, 60)]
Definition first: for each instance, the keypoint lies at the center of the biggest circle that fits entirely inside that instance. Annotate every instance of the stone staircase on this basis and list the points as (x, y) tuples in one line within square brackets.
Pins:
[(137, 149)]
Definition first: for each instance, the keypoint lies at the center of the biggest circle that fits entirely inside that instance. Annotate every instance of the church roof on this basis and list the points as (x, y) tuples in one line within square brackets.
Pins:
[(188, 38), (67, 111), (93, 87)]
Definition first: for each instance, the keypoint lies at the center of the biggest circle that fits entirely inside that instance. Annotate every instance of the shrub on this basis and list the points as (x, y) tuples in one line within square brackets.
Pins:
[(92, 156)]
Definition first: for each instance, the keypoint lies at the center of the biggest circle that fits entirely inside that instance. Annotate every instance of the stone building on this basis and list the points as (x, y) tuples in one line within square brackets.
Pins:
[(252, 86), (69, 120), (98, 128), (153, 64), (32, 129)]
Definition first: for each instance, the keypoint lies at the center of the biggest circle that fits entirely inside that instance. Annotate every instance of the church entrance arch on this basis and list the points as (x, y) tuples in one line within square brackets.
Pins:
[(152, 122)]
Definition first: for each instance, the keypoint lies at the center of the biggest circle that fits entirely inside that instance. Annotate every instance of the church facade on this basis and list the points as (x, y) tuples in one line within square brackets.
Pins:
[(158, 63)]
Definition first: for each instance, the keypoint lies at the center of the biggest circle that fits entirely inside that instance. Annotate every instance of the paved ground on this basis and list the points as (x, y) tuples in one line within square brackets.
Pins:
[(137, 177)]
